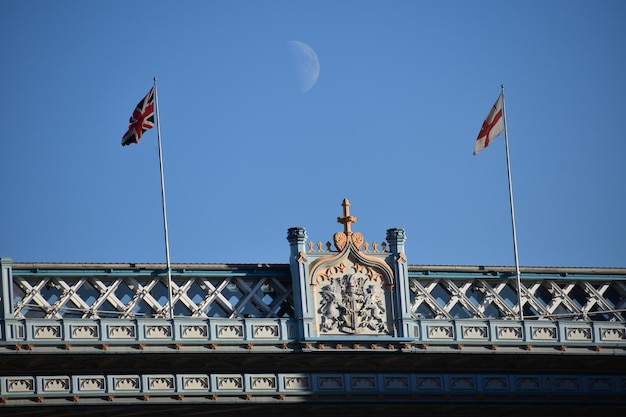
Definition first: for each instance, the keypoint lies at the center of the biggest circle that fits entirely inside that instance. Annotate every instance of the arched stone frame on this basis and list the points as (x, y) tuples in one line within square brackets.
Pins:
[(352, 291)]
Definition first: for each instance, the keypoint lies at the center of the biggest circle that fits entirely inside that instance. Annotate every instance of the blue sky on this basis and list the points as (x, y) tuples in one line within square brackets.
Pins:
[(390, 124)]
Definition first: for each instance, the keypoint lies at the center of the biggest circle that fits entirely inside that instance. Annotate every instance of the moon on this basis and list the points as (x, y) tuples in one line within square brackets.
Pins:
[(307, 64)]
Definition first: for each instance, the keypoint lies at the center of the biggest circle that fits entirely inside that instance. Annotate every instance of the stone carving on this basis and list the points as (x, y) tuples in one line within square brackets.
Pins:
[(351, 289), (578, 333), (47, 332), (268, 331), (263, 382), (126, 383), (528, 383), (613, 334), (230, 331), (567, 384), (544, 333), (474, 332), (158, 331), (195, 330), (230, 382), (56, 384), (330, 382), (91, 384), (196, 382), (600, 384), (462, 383), (20, 385), (84, 331), (429, 382), (352, 303), (440, 332), (396, 382), (161, 383), (121, 331), (296, 382), (340, 240), (509, 332), (363, 382), (495, 383)]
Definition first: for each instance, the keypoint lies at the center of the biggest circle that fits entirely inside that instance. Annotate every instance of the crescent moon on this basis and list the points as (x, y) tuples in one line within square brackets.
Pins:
[(307, 64)]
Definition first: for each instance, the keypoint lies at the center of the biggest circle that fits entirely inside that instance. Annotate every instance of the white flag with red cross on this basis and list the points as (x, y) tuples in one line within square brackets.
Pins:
[(492, 126)]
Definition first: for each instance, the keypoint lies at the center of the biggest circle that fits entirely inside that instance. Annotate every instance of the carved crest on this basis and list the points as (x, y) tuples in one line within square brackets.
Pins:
[(351, 289), (352, 304)]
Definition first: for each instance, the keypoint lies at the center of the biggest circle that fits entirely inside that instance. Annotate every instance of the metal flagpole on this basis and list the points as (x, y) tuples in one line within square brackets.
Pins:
[(167, 241), (508, 167)]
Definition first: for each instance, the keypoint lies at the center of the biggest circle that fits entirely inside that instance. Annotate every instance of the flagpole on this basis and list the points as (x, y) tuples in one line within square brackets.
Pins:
[(167, 241), (508, 167)]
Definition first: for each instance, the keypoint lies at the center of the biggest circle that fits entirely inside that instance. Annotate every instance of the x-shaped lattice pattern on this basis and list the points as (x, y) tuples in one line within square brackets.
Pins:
[(481, 298), (129, 297), (230, 297)]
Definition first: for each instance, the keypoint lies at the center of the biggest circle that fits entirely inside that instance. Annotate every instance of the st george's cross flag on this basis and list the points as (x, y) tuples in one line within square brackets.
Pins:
[(492, 126), (141, 120)]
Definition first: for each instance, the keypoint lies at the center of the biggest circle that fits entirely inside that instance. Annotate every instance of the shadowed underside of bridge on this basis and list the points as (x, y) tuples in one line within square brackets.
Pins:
[(431, 372), (329, 408)]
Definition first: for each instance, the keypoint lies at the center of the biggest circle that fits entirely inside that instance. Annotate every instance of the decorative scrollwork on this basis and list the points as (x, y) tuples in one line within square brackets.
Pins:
[(297, 382), (159, 331), (264, 382), (330, 382), (161, 383), (20, 385), (47, 332), (230, 382), (230, 331), (196, 382), (56, 384), (126, 383), (91, 384)]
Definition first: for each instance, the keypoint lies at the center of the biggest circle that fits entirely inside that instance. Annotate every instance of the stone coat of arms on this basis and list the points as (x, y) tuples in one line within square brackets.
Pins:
[(351, 288)]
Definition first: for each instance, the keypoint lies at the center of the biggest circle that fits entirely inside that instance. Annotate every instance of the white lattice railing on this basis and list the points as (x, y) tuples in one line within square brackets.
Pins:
[(551, 296), (129, 295), (266, 292)]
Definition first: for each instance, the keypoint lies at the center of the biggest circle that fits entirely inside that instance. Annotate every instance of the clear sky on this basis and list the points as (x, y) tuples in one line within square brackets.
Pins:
[(390, 124)]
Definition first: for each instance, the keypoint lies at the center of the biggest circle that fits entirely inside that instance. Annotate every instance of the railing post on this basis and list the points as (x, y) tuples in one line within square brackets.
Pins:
[(402, 314), (298, 265), (6, 288)]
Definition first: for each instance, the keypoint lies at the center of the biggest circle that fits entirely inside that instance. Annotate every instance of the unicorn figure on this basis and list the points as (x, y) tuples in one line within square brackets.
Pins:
[(330, 309)]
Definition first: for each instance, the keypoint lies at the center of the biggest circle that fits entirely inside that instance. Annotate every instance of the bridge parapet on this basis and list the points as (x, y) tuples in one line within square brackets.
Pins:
[(354, 325), (259, 334), (86, 304), (312, 388), (587, 294)]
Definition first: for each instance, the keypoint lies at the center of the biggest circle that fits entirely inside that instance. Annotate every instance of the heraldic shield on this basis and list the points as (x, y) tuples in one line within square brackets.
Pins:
[(351, 288)]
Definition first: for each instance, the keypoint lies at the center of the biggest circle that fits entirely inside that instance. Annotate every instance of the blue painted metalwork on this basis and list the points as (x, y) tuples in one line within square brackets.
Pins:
[(382, 306), (420, 386), (446, 305)]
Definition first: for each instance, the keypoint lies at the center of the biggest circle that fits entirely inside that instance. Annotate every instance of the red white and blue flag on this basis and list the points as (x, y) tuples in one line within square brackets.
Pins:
[(141, 120), (492, 126)]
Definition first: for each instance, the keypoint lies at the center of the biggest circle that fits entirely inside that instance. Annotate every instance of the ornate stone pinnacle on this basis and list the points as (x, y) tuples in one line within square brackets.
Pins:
[(347, 219)]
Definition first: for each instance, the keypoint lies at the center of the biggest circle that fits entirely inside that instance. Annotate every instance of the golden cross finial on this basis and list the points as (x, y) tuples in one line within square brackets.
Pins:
[(346, 220)]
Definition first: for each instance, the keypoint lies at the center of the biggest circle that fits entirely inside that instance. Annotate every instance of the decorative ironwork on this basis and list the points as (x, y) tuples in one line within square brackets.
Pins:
[(57, 296), (471, 297)]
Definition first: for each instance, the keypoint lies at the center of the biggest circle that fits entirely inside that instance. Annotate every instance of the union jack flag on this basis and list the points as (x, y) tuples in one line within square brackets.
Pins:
[(141, 120)]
